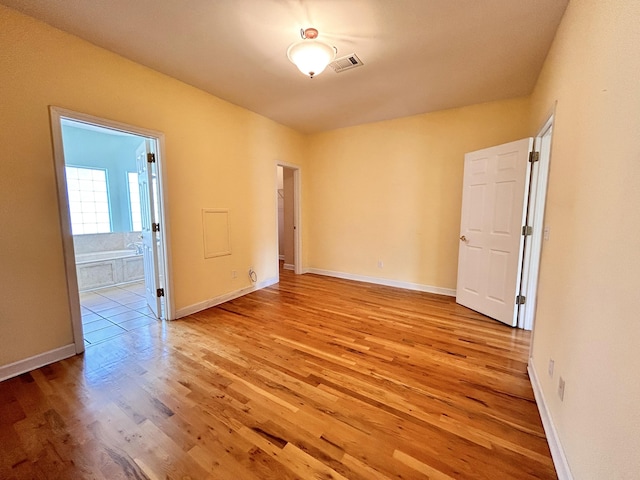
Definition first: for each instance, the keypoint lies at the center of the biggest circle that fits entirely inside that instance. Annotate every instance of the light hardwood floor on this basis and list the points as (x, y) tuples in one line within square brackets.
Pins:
[(311, 378)]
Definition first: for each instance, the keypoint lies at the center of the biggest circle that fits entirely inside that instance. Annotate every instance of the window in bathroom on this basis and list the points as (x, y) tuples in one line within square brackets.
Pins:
[(134, 202), (88, 200)]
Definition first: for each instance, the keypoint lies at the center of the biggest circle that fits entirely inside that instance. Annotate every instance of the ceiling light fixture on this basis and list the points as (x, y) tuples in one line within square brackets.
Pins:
[(311, 56)]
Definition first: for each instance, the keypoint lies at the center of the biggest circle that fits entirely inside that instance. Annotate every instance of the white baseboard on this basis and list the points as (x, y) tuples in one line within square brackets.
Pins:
[(212, 302), (557, 452), (289, 266), (384, 281), (37, 361), (281, 257)]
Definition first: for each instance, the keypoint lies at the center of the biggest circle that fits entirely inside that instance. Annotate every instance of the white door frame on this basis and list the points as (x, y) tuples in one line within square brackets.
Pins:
[(57, 114), (149, 237), (297, 217), (537, 201)]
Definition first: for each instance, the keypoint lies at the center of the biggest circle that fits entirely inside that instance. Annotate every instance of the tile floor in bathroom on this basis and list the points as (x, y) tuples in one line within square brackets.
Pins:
[(113, 311)]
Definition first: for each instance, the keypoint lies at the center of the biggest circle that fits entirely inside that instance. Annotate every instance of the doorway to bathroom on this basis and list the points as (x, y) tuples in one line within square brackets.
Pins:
[(110, 192)]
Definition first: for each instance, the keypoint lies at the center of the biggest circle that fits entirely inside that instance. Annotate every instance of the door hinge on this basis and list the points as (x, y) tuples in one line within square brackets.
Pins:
[(155, 227), (527, 230), (160, 292), (534, 156), (520, 299), (151, 157)]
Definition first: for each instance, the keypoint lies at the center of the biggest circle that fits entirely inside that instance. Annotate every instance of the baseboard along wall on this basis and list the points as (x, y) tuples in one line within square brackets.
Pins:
[(384, 281), (212, 302), (557, 452), (26, 365), (55, 355)]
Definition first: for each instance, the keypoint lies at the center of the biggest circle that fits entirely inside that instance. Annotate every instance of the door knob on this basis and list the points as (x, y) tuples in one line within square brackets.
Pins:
[(463, 238)]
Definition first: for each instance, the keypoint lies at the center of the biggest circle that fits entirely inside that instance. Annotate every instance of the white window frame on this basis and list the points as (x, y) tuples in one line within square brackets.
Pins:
[(88, 199)]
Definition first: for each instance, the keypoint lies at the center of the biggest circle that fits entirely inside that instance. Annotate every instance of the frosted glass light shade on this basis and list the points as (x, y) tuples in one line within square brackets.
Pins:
[(311, 56)]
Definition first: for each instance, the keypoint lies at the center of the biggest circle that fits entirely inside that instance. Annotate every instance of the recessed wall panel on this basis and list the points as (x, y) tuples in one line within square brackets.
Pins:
[(215, 226)]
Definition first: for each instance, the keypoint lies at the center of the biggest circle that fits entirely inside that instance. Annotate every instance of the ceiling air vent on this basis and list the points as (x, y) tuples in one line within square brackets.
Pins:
[(346, 63)]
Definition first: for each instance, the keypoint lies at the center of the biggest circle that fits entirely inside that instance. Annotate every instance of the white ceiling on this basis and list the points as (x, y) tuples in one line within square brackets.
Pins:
[(419, 55)]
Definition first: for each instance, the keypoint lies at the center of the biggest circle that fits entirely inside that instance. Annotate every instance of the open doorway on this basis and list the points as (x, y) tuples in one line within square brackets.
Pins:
[(109, 189), (289, 251)]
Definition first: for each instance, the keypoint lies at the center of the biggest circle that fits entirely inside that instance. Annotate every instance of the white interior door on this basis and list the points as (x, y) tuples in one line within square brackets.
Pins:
[(149, 219), (491, 241)]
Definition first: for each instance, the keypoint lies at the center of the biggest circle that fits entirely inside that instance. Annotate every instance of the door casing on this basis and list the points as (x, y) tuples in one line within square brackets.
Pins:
[(537, 202), (297, 220), (57, 114)]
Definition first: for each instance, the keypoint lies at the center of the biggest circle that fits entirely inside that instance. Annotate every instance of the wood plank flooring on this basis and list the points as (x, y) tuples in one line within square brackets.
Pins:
[(313, 378)]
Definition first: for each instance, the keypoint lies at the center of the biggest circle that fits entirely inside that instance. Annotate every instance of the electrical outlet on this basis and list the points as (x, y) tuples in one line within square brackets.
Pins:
[(380, 264), (561, 389), (551, 364), (234, 274), (546, 232)]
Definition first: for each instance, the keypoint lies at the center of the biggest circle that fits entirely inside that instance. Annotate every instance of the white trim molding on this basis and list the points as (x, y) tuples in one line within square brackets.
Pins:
[(297, 213), (212, 302), (384, 281), (557, 452), (289, 266), (26, 365)]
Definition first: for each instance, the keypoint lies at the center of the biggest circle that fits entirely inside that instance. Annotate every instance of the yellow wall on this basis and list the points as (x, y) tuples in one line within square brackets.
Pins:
[(588, 316), (392, 191), (217, 155)]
